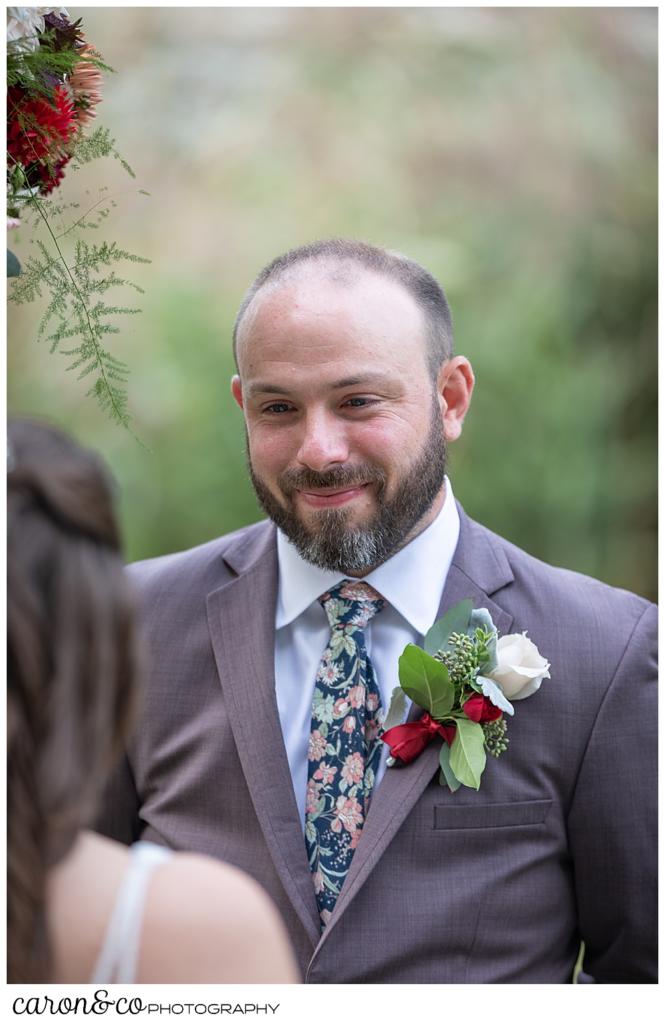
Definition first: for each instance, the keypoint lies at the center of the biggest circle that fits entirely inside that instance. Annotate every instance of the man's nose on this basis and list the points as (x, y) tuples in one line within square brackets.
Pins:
[(324, 442)]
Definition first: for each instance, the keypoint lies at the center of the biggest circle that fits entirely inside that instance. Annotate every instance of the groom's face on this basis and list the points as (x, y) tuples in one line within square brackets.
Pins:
[(344, 423)]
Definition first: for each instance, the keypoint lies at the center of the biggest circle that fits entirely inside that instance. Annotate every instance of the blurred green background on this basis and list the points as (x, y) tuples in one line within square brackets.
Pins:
[(512, 151)]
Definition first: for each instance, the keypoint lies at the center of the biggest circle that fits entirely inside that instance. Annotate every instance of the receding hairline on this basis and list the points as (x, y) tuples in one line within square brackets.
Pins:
[(339, 273), (337, 259)]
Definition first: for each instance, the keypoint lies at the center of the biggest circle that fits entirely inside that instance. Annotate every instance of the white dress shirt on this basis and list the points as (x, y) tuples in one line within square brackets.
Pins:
[(411, 583)]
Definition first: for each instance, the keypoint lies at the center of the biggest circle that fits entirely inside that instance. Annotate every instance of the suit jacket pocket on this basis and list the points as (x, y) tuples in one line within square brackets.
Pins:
[(523, 812)]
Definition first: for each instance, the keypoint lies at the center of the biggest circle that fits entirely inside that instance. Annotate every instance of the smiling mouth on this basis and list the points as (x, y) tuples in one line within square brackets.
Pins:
[(332, 497)]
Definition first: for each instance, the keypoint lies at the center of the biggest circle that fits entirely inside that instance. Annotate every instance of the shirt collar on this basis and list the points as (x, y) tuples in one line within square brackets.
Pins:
[(406, 580)]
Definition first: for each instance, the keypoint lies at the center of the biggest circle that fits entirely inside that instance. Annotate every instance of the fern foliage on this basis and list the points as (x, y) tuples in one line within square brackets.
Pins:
[(95, 146), (35, 69), (79, 317)]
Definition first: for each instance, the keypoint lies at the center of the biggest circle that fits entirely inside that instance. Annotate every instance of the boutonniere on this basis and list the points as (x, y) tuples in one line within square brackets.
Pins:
[(464, 678)]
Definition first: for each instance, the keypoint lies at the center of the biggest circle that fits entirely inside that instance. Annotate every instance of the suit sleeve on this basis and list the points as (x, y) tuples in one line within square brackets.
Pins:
[(613, 821), (118, 817)]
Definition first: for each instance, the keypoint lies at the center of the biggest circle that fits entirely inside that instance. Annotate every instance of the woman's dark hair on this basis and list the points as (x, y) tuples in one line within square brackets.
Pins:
[(72, 663)]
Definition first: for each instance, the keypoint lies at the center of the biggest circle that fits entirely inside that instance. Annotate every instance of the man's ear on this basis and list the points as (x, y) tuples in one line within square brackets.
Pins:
[(236, 390), (454, 386)]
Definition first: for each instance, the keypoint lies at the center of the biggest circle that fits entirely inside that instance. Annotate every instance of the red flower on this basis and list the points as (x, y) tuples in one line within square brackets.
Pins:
[(37, 129), (481, 709)]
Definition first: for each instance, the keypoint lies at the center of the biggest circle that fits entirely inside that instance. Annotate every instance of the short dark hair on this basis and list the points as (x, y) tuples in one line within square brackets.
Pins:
[(426, 291)]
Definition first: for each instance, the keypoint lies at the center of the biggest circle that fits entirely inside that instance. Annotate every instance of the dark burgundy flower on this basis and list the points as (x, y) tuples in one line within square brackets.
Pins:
[(62, 33), (47, 176)]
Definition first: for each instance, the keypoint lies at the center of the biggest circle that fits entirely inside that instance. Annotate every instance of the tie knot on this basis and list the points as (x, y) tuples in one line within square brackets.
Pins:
[(351, 603)]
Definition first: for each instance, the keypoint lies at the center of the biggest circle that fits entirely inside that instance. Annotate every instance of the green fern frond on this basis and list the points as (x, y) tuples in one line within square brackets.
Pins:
[(34, 69), (97, 145), (77, 310)]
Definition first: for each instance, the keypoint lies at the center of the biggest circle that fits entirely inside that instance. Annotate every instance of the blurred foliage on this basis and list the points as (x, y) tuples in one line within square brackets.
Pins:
[(512, 151)]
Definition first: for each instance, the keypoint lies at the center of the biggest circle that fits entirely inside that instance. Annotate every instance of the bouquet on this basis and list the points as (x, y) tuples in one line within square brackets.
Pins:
[(54, 79)]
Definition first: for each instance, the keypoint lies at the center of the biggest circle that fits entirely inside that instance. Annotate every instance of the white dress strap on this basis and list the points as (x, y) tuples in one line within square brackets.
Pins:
[(118, 958)]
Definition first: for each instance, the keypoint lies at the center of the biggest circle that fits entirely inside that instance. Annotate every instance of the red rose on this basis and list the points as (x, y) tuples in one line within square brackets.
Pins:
[(481, 709)]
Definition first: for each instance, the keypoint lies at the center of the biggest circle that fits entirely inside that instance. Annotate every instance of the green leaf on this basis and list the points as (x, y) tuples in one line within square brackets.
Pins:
[(396, 709), (13, 265), (456, 620), (447, 772), (481, 619), (467, 756), (426, 681)]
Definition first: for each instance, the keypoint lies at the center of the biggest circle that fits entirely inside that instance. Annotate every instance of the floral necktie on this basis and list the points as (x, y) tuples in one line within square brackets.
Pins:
[(344, 744)]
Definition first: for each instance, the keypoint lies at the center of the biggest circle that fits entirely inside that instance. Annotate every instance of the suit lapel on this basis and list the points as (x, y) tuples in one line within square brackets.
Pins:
[(479, 568), (241, 619)]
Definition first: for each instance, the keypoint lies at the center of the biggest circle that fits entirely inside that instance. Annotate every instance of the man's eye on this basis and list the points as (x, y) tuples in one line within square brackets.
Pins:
[(358, 402), (278, 407)]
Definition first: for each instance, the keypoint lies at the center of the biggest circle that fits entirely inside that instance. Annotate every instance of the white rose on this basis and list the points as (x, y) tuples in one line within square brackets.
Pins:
[(27, 24), (520, 669)]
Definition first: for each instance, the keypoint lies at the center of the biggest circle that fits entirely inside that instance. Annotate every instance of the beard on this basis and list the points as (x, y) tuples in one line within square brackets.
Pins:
[(331, 542)]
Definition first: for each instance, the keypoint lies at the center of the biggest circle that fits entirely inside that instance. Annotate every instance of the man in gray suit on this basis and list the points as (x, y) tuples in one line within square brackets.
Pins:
[(350, 392)]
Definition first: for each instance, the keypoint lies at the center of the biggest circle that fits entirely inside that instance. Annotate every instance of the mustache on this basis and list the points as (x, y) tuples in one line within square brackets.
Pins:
[(292, 480)]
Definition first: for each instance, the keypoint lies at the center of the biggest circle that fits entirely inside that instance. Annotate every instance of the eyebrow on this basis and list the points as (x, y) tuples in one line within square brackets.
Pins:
[(345, 382)]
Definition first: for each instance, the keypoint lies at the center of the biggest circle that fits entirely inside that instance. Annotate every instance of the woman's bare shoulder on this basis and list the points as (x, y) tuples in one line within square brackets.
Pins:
[(206, 921)]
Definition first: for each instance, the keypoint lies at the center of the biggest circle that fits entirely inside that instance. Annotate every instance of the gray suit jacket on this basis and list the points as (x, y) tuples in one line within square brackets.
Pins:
[(498, 885)]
